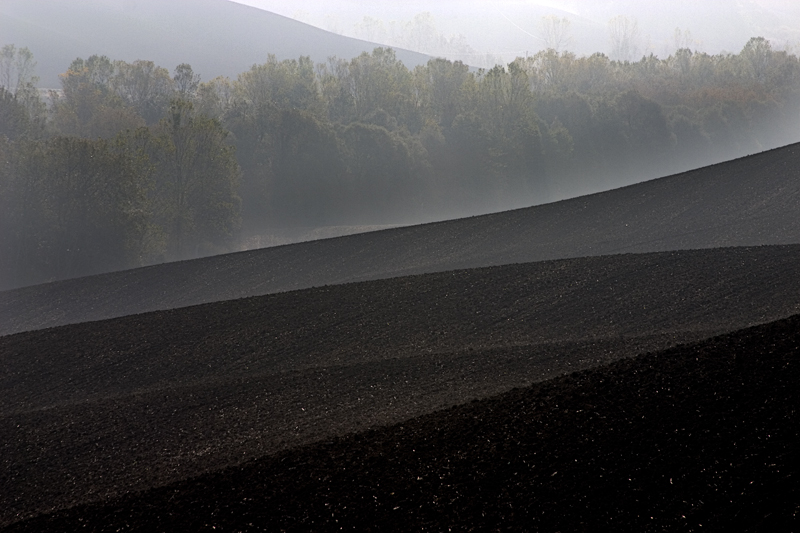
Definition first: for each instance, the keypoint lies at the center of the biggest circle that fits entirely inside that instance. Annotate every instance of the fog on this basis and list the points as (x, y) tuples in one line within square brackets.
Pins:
[(486, 30), (227, 127)]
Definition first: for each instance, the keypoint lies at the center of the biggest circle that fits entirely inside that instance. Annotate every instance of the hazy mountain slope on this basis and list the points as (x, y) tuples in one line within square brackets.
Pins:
[(216, 37), (749, 201), (511, 28), (98, 409)]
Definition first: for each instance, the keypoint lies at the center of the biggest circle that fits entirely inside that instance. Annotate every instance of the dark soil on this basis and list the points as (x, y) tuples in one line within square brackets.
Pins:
[(700, 437), (747, 202), (93, 411), (388, 404)]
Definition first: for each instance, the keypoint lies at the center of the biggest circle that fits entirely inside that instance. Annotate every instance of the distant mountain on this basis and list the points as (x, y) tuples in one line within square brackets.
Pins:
[(510, 28), (216, 37)]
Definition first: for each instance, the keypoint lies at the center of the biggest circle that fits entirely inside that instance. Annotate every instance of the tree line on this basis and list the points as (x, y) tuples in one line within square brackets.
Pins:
[(127, 164)]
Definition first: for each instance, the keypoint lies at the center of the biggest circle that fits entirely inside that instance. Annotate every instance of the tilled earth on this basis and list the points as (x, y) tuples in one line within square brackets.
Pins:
[(700, 437), (123, 415), (746, 202)]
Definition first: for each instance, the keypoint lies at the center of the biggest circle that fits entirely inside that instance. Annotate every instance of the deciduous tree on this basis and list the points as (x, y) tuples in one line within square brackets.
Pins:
[(624, 34), (196, 182)]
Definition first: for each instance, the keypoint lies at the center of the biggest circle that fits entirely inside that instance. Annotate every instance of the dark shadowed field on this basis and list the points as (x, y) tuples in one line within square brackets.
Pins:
[(92, 411), (637, 391), (747, 202), (700, 437)]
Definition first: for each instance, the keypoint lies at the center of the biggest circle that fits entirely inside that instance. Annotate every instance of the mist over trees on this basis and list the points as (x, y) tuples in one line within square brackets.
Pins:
[(129, 164), (419, 33)]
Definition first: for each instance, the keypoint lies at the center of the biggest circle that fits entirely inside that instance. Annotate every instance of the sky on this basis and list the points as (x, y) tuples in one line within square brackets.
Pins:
[(510, 28)]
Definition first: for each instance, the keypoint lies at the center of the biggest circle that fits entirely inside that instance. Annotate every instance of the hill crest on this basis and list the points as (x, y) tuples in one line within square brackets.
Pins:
[(746, 202)]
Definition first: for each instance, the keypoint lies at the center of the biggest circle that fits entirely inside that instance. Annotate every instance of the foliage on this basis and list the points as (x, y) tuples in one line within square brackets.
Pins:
[(72, 207), (196, 181), (165, 159), (17, 80), (14, 120), (284, 84)]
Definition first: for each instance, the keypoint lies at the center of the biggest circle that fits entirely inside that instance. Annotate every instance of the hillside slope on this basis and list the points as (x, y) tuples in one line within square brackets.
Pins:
[(701, 437), (749, 201), (95, 410), (217, 37)]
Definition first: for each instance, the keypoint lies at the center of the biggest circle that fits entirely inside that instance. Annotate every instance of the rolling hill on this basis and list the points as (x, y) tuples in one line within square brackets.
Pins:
[(746, 202), (98, 410), (625, 360), (700, 437)]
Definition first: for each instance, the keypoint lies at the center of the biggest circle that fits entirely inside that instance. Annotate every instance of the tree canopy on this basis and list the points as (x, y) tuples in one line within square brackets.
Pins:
[(127, 164)]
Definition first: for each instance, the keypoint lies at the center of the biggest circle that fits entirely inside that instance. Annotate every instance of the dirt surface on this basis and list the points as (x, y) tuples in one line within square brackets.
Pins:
[(510, 397), (282, 236), (96, 410), (701, 437), (746, 202)]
